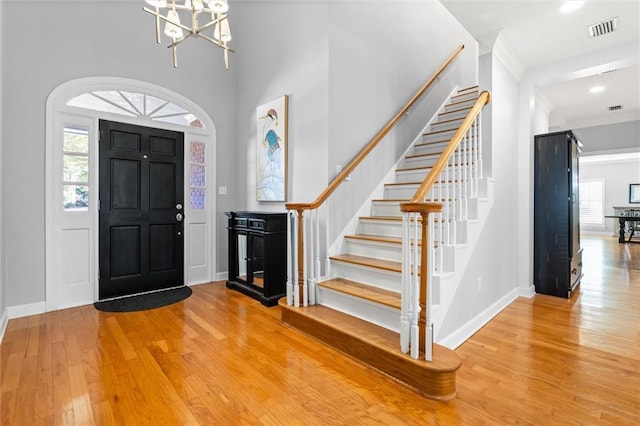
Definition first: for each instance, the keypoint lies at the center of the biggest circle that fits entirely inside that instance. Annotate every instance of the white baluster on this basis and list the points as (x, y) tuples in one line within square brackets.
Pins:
[(453, 201), (405, 289), (290, 248), (316, 280), (480, 165), (305, 259), (428, 355), (474, 161), (415, 288), (296, 289)]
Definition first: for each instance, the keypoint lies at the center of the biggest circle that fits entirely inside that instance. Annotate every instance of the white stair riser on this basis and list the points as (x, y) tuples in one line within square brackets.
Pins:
[(388, 228), (376, 277), (383, 251), (384, 316), (465, 96), (432, 148), (411, 175), (431, 137), (386, 209), (413, 162), (445, 124), (454, 113), (400, 191), (380, 227), (407, 191), (459, 105)]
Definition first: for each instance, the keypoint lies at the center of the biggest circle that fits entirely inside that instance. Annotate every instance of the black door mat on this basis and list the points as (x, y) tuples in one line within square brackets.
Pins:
[(142, 302)]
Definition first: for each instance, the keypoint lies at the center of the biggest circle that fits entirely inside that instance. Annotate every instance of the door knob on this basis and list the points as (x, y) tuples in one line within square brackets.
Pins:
[(179, 217)]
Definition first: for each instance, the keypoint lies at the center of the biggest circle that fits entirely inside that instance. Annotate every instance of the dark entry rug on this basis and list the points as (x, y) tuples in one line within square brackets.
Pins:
[(142, 302)]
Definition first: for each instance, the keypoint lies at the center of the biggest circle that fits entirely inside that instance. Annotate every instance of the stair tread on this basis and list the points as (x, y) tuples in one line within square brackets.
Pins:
[(447, 121), (413, 169), (469, 88), (434, 154), (364, 291), (371, 262), (461, 102), (454, 111), (374, 238), (435, 132), (419, 182), (391, 200)]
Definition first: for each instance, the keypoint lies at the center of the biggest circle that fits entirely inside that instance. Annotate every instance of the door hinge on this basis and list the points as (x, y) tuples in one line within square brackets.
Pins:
[(99, 205)]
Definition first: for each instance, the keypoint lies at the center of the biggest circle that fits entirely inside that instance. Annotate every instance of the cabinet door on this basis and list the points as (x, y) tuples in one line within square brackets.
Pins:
[(574, 207), (256, 264)]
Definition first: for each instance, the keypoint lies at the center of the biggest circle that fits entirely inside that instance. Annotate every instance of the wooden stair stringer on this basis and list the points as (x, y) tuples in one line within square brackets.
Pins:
[(377, 348)]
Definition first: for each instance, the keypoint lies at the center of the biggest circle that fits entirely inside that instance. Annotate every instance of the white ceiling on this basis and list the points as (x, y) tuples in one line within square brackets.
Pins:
[(556, 48)]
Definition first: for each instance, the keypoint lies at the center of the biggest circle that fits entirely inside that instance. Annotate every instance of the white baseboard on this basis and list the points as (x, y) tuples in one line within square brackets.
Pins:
[(26, 310), (222, 276), (198, 283), (4, 320), (467, 330), (528, 292)]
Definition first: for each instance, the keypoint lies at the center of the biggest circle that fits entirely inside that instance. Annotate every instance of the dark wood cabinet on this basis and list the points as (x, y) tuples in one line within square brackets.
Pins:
[(557, 260), (257, 255)]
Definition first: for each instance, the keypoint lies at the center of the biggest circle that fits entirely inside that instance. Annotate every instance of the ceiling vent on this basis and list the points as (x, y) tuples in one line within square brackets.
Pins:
[(615, 108), (604, 27), (608, 71)]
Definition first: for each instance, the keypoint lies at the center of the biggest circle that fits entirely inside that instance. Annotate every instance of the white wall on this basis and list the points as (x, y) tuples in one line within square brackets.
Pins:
[(372, 77), (70, 40), (3, 282), (495, 258), (617, 177), (290, 57)]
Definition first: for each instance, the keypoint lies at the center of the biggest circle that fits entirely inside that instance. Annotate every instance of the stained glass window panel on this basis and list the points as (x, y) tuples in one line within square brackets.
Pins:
[(198, 176), (197, 199), (197, 152)]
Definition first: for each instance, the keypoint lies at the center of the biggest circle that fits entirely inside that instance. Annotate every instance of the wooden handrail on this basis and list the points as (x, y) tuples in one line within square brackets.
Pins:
[(336, 181), (417, 204)]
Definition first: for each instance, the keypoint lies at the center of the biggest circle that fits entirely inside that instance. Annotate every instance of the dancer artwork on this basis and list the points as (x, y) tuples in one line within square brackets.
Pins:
[(271, 150)]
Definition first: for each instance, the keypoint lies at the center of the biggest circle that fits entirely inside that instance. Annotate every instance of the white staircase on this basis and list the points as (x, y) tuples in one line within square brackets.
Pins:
[(366, 277), (372, 303)]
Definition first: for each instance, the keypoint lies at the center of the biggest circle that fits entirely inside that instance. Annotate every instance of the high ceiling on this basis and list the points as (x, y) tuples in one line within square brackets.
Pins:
[(541, 38)]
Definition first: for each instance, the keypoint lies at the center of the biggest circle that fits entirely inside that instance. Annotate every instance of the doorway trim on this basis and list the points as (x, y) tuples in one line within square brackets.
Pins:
[(58, 113)]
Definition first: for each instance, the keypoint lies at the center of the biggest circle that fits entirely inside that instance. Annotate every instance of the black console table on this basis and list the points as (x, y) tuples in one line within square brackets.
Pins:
[(258, 255)]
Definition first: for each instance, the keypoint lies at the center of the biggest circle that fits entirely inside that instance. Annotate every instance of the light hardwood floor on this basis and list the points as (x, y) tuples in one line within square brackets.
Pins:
[(222, 358)]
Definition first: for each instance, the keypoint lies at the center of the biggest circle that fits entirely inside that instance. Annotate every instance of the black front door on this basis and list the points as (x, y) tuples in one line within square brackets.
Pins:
[(141, 209)]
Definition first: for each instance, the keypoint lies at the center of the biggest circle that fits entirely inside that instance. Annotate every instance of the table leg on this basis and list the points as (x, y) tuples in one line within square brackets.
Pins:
[(621, 220)]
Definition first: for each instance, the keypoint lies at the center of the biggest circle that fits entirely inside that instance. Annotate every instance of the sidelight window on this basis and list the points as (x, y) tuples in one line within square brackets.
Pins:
[(75, 168), (198, 175)]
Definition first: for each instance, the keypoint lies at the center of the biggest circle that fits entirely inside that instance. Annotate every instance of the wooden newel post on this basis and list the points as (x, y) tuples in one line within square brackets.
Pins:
[(300, 288), (422, 320)]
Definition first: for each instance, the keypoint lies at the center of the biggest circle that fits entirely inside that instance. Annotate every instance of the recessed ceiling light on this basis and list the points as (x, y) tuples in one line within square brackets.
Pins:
[(570, 6), (596, 89)]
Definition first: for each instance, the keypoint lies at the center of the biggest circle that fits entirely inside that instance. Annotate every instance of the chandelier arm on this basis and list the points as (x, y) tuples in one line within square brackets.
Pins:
[(177, 41), (217, 43), (160, 16), (207, 25)]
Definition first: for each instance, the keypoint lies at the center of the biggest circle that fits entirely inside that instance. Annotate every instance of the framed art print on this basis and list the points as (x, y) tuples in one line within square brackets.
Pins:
[(271, 150)]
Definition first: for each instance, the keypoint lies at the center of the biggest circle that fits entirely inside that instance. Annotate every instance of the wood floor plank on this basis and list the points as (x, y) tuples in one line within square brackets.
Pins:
[(220, 357)]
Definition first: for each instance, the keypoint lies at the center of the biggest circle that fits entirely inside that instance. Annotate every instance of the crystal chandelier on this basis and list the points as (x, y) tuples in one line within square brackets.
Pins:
[(214, 10)]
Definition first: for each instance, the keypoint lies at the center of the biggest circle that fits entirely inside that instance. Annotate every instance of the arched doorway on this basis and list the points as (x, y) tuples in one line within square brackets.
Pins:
[(73, 111)]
